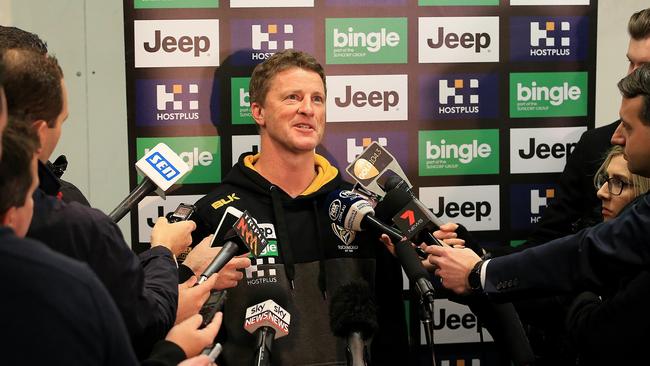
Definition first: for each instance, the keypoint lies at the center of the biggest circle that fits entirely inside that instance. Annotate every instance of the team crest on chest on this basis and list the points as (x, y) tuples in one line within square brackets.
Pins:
[(347, 237)]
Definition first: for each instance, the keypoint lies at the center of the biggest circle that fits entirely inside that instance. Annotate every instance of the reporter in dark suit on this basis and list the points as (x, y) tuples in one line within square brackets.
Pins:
[(590, 259)]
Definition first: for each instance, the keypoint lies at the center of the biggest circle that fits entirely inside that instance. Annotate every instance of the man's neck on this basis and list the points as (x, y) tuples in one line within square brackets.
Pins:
[(293, 173)]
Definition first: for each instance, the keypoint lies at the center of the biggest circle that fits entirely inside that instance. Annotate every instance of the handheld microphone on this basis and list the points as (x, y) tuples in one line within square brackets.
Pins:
[(244, 236), (353, 212), (353, 316), (267, 321), (410, 215), (161, 168)]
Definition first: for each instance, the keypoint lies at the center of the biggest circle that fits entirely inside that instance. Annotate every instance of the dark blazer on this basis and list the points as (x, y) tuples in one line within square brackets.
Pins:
[(594, 258)]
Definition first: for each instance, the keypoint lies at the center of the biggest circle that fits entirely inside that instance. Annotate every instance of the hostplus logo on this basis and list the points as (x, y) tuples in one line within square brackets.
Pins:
[(265, 37), (355, 150), (459, 96), (546, 37), (254, 41), (549, 39), (542, 150), (458, 39), (176, 43), (240, 101), (366, 40), (456, 152), (528, 202), (170, 103), (263, 269), (476, 207), (561, 94), (453, 94), (202, 154), (341, 148)]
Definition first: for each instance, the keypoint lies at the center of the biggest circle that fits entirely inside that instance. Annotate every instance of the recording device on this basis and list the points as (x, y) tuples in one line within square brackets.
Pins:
[(373, 166), (353, 316), (160, 168), (243, 236), (212, 305), (183, 212), (267, 321)]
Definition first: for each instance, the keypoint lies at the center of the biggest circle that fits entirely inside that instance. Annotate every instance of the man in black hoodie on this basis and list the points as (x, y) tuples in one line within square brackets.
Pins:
[(285, 188)]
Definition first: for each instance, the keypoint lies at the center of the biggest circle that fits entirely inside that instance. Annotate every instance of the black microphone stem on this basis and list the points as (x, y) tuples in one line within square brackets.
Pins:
[(144, 188), (265, 337)]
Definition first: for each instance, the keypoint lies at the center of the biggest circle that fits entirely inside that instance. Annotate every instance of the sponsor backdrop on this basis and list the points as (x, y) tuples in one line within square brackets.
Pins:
[(481, 102)]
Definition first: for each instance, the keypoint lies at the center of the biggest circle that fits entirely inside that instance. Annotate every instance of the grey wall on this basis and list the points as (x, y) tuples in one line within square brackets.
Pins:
[(88, 39)]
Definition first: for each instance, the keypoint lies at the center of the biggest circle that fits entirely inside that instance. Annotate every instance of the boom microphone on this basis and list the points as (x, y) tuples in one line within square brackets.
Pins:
[(161, 168), (267, 321), (353, 316)]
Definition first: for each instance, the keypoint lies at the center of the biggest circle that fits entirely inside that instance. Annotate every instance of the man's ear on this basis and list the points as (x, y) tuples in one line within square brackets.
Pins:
[(9, 218), (41, 128), (257, 111)]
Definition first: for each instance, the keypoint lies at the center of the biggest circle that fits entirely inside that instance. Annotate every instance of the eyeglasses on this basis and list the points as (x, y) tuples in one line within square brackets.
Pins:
[(615, 185)]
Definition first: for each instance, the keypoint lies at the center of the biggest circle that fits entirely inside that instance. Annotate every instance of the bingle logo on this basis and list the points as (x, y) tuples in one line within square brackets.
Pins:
[(549, 38), (476, 207), (367, 98), (366, 40), (548, 94), (542, 150), (458, 39), (453, 152), (254, 41), (176, 43), (200, 153), (459, 96), (355, 150), (240, 101), (528, 202)]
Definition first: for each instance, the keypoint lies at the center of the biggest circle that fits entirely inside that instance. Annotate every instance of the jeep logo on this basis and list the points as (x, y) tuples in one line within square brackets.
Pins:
[(478, 209), (185, 44), (386, 99), (544, 151), (466, 40)]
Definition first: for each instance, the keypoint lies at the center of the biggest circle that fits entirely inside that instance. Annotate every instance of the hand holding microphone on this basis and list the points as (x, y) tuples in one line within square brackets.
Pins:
[(175, 237)]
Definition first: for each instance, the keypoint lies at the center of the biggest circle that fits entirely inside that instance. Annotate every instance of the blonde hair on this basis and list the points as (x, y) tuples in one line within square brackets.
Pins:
[(640, 184)]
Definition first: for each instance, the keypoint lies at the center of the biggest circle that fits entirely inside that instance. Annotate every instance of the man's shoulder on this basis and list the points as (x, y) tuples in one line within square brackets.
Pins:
[(73, 213), (36, 262), (600, 135)]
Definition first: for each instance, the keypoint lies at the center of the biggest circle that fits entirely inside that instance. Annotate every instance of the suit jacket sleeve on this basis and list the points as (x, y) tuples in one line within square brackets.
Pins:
[(590, 259)]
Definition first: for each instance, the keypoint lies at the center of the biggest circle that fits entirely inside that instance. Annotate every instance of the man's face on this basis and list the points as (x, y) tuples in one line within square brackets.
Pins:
[(293, 116), (638, 53), (53, 134), (24, 213), (634, 135)]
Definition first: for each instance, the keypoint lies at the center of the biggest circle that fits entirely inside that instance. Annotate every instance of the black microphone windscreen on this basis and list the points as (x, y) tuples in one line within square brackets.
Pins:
[(352, 309), (393, 202)]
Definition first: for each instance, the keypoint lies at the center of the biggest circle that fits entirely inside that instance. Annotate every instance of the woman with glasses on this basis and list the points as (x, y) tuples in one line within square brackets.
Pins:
[(615, 325), (616, 185)]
